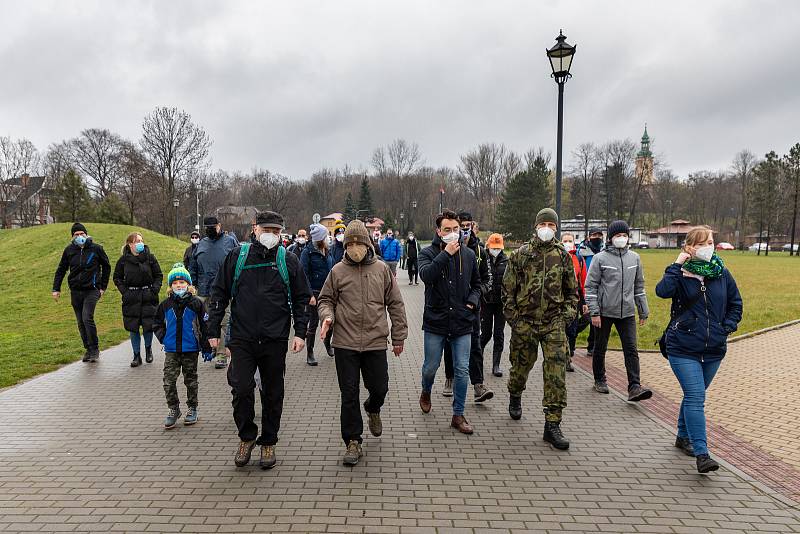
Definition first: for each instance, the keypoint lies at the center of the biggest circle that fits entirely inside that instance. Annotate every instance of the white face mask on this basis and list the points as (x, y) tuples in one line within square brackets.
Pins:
[(569, 246), (704, 253), (300, 240), (268, 239), (195, 240), (339, 237), (451, 237), (545, 234), (620, 242), (494, 252)]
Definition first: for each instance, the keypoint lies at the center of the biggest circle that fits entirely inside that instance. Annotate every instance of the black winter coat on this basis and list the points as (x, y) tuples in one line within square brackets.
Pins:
[(474, 244), (496, 268), (88, 267), (139, 279), (260, 310), (451, 282)]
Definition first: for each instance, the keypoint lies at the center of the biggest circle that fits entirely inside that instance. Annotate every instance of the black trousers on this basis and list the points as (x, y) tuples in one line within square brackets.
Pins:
[(83, 303), (413, 269), (313, 322), (350, 367), (493, 323), (590, 341), (475, 354), (576, 327), (626, 328), (270, 359)]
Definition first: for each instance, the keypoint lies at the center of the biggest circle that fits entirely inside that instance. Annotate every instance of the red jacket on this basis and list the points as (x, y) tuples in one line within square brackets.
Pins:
[(580, 269)]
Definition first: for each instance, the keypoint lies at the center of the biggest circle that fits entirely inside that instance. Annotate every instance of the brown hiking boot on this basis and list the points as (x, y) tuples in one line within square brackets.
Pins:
[(353, 453), (425, 401), (267, 460), (482, 393), (242, 457), (375, 424), (461, 424)]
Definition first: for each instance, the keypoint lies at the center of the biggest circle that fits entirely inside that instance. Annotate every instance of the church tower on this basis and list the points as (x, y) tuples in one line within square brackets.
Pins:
[(644, 160)]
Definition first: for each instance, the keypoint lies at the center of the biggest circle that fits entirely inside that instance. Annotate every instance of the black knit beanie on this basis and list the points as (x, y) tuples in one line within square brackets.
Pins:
[(78, 227), (618, 227)]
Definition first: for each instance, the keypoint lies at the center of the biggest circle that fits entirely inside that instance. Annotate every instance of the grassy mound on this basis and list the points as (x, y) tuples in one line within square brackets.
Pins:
[(36, 333)]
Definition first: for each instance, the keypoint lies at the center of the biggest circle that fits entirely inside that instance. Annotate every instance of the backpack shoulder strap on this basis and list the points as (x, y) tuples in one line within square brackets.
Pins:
[(284, 272), (240, 261)]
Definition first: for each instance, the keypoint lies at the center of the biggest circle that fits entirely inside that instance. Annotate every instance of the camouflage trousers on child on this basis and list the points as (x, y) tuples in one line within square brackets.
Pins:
[(525, 341), (174, 363)]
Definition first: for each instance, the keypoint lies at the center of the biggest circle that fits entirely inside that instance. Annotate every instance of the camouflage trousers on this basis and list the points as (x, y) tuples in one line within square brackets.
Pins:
[(174, 363), (525, 341)]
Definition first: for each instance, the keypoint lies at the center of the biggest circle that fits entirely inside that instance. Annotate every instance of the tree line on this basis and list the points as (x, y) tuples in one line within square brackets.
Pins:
[(98, 175)]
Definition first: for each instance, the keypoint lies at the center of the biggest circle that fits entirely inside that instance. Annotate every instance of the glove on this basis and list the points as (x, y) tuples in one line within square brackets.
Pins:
[(208, 356)]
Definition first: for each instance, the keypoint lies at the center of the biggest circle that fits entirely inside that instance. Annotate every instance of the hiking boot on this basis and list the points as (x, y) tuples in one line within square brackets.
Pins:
[(220, 362), (570, 368), (137, 360), (496, 371), (460, 423), (310, 360), (482, 393), (353, 453), (425, 401), (329, 349), (448, 388), (267, 460), (553, 436), (600, 387), (87, 356), (375, 423), (638, 393), (515, 407), (191, 417), (172, 418), (94, 356), (706, 464), (242, 457), (685, 445), (148, 354)]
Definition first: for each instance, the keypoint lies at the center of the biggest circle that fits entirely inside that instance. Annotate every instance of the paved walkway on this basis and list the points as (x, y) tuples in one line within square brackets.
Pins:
[(82, 449)]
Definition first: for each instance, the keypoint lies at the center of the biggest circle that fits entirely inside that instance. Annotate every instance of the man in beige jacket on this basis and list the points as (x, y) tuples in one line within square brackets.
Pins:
[(354, 301)]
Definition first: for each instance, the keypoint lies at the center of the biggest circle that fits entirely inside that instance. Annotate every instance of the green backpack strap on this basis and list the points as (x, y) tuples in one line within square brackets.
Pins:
[(281, 264), (245, 249), (284, 272)]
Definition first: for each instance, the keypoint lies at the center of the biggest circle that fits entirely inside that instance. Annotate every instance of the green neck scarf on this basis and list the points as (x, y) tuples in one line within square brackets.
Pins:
[(708, 269)]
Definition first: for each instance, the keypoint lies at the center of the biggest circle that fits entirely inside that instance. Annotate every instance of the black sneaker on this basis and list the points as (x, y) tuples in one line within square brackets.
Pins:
[(94, 356), (638, 393), (601, 387), (310, 360), (553, 436), (685, 446), (148, 354), (87, 356), (570, 368), (706, 464)]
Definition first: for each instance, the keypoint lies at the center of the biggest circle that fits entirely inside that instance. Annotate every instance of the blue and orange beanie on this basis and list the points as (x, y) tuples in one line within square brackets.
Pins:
[(179, 272)]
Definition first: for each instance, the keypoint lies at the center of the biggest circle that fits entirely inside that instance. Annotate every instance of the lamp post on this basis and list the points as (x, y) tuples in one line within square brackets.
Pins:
[(175, 204), (402, 216), (560, 56), (413, 212)]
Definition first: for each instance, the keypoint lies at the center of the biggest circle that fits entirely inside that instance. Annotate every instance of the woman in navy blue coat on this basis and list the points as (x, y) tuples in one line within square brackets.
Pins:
[(706, 309)]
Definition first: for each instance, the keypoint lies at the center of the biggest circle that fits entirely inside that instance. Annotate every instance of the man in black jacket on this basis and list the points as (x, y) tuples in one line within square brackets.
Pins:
[(89, 271), (264, 304), (452, 295)]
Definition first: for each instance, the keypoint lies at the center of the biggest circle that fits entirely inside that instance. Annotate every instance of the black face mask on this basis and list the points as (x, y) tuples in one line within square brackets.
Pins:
[(211, 232), (596, 243)]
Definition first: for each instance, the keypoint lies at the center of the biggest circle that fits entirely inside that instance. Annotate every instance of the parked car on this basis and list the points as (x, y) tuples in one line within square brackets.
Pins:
[(788, 246), (755, 247), (725, 246), (642, 244)]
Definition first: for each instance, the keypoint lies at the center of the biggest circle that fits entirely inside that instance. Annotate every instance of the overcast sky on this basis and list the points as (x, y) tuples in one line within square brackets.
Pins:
[(295, 86)]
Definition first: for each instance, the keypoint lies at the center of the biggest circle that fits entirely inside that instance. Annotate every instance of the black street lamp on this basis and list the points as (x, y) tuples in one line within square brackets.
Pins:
[(175, 204), (560, 56)]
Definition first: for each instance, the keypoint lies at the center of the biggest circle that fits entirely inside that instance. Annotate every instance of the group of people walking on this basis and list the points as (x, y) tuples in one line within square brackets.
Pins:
[(251, 302)]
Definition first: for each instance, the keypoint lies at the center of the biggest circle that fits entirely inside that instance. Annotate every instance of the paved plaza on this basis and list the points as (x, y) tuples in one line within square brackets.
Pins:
[(83, 449)]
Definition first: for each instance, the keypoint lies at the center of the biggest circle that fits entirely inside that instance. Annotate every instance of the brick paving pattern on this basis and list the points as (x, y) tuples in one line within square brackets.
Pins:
[(83, 450)]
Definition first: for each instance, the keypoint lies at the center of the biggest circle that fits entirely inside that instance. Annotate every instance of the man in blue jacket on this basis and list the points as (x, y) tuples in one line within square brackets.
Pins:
[(391, 251), (204, 265), (449, 271)]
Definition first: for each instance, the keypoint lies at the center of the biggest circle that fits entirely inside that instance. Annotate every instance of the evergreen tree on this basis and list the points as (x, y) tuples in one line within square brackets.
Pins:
[(70, 200), (365, 200), (764, 197), (525, 194), (350, 211), (112, 210)]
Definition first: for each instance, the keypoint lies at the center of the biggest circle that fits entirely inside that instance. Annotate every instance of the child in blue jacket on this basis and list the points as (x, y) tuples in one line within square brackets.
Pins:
[(180, 325)]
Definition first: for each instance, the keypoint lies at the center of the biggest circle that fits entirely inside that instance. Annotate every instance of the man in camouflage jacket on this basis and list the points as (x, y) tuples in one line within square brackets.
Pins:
[(539, 298)]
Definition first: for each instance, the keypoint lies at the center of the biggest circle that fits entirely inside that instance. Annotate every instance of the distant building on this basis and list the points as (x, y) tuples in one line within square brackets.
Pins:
[(24, 201), (331, 220), (644, 160), (237, 219), (671, 236), (577, 227)]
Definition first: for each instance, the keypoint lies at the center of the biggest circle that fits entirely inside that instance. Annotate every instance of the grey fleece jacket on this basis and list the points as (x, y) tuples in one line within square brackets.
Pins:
[(615, 285)]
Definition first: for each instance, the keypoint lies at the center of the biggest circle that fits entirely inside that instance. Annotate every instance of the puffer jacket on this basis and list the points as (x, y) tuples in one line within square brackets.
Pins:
[(138, 278), (701, 332), (391, 249), (181, 323), (356, 297), (316, 266), (207, 260), (451, 282), (615, 285), (539, 285)]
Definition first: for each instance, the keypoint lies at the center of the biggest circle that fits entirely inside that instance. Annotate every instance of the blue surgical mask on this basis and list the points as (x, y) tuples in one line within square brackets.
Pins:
[(180, 292), (139, 248), (80, 240)]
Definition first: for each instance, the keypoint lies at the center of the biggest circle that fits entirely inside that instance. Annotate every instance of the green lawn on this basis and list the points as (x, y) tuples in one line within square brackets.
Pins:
[(36, 333)]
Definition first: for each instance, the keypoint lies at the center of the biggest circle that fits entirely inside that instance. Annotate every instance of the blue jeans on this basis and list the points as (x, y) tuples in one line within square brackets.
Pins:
[(434, 345), (136, 341), (694, 377)]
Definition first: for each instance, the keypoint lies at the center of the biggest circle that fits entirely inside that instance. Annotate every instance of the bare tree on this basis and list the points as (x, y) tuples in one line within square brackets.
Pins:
[(135, 176), (586, 168), (96, 155), (485, 171), (744, 163), (17, 157)]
